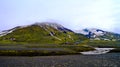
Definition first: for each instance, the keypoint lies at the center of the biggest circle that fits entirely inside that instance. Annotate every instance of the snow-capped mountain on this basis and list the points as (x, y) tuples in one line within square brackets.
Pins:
[(98, 34), (55, 29)]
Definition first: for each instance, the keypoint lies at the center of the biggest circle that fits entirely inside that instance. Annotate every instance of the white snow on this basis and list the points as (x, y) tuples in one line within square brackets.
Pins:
[(98, 51), (52, 34), (92, 30), (3, 33)]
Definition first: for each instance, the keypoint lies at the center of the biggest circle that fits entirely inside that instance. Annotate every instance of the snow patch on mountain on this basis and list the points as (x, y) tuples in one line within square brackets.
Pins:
[(52, 34), (5, 32), (94, 31)]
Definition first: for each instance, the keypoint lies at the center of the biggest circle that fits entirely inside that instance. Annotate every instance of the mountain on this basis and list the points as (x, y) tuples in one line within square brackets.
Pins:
[(41, 33), (98, 34)]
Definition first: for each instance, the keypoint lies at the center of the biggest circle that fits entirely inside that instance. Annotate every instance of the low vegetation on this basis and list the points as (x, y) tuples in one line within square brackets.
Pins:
[(30, 50), (103, 44), (38, 35), (34, 52)]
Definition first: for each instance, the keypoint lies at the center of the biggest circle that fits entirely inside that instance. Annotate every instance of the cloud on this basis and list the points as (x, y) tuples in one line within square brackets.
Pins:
[(74, 14), (98, 13)]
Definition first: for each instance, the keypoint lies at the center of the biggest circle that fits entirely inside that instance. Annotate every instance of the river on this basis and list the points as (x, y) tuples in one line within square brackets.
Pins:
[(102, 60)]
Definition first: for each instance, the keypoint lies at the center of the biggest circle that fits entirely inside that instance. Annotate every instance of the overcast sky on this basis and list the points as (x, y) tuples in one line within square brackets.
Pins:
[(73, 14)]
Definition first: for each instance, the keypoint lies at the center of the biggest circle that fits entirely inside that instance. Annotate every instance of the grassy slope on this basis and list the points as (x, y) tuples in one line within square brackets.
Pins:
[(28, 50), (102, 43), (37, 35), (110, 35)]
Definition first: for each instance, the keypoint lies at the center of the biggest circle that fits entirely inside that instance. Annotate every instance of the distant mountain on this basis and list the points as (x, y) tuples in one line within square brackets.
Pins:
[(42, 33), (98, 34)]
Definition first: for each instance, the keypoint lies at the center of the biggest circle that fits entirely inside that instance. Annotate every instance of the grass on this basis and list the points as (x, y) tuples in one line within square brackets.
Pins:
[(102, 43), (43, 49), (27, 50), (34, 52), (70, 47), (38, 35)]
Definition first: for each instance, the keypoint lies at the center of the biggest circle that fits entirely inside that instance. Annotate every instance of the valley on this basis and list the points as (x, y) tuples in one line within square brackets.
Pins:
[(46, 38)]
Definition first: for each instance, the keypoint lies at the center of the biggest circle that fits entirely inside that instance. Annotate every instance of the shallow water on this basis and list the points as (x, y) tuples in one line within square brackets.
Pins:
[(104, 60), (98, 51)]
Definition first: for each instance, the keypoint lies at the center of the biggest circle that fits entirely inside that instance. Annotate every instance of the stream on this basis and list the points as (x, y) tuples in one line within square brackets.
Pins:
[(98, 51)]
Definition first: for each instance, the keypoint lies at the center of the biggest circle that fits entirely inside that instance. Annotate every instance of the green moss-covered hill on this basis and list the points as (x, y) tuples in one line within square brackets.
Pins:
[(41, 33)]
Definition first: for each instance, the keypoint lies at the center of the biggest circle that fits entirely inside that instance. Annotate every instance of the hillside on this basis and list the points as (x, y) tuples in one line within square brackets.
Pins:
[(41, 33), (41, 39), (100, 38)]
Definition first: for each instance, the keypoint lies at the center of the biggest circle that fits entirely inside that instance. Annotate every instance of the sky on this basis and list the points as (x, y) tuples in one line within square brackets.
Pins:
[(73, 14)]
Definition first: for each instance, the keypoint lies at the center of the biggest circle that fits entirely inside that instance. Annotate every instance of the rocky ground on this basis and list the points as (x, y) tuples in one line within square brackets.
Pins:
[(103, 60)]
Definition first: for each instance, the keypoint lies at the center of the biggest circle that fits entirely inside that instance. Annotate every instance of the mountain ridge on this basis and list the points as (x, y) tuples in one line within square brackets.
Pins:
[(41, 33), (54, 33)]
